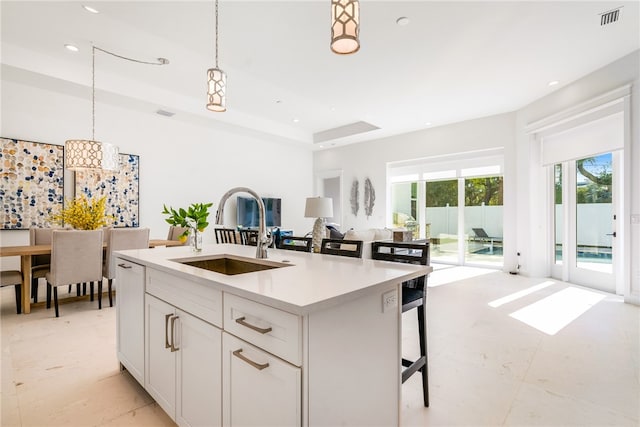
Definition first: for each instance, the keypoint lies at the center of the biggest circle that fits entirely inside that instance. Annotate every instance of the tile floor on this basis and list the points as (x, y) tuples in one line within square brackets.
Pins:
[(487, 368)]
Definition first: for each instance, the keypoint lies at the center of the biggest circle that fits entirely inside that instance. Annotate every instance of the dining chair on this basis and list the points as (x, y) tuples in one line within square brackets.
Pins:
[(175, 232), (249, 237), (39, 263), (226, 235), (120, 239), (76, 257), (13, 278), (349, 248), (414, 295), (293, 243)]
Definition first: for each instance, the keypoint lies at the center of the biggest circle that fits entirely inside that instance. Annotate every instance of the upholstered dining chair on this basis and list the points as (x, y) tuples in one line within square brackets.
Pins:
[(39, 263), (350, 248), (293, 243), (414, 295), (120, 239), (13, 278), (76, 257), (175, 232), (226, 235)]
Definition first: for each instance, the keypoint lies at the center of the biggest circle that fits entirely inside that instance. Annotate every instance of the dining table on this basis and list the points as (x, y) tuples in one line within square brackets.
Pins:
[(25, 252)]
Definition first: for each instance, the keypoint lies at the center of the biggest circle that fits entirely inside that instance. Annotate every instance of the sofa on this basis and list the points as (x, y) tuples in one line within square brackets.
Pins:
[(367, 236)]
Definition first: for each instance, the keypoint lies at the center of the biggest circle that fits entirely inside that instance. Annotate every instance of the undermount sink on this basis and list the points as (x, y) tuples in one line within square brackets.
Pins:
[(231, 265)]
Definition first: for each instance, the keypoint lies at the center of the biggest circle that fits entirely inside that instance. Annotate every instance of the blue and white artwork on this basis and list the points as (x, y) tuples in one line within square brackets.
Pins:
[(31, 183), (121, 188)]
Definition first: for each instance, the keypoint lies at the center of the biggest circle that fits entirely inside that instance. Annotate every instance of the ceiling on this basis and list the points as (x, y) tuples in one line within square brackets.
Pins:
[(454, 61)]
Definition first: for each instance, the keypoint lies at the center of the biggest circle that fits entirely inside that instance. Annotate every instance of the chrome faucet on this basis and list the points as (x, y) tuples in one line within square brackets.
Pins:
[(263, 241)]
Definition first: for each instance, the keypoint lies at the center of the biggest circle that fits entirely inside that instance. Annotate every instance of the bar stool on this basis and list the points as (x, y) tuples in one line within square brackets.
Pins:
[(13, 277), (414, 295), (349, 248)]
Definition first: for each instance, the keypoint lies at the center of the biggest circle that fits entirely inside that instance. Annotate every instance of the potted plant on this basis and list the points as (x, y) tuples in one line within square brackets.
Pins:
[(83, 214), (194, 219)]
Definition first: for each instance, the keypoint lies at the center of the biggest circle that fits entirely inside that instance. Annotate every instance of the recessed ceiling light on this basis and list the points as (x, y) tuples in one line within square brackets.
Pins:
[(90, 9), (296, 120), (278, 101), (71, 47), (428, 124), (402, 21), (553, 82)]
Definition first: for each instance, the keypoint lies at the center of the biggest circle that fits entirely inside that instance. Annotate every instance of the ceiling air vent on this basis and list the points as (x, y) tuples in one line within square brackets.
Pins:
[(165, 113), (610, 16)]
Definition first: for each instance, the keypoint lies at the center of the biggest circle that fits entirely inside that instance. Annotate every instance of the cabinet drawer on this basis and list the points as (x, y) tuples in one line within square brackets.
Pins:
[(274, 330), (203, 301)]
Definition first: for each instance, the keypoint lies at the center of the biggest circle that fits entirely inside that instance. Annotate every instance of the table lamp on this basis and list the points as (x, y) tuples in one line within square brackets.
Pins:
[(320, 208)]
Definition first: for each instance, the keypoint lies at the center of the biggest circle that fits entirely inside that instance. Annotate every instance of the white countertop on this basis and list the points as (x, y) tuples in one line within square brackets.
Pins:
[(312, 282)]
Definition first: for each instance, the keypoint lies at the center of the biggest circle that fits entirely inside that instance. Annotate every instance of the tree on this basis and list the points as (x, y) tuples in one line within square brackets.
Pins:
[(487, 191), (441, 193)]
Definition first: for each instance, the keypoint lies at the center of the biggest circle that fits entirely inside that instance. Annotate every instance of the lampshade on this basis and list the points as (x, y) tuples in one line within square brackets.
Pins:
[(345, 26), (318, 207), (216, 86), (88, 154)]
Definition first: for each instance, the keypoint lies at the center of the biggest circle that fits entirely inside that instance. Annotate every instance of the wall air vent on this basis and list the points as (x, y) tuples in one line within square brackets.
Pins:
[(610, 16), (343, 131), (165, 113)]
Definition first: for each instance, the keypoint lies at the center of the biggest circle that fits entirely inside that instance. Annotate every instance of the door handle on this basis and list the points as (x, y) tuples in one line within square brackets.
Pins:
[(123, 265), (244, 323), (173, 334), (258, 366), (611, 234)]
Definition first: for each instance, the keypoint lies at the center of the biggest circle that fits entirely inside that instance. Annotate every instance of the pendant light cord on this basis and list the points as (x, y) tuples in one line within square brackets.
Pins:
[(160, 61), (216, 33)]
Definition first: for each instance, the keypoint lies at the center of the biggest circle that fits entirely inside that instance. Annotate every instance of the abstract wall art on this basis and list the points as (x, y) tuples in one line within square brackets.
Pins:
[(32, 183), (121, 188), (369, 197)]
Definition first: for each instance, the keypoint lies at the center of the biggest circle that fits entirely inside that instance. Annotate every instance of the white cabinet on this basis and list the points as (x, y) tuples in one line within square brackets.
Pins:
[(183, 364), (259, 389), (129, 281)]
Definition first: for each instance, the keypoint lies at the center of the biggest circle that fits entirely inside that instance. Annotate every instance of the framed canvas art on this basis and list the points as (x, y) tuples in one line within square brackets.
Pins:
[(32, 183), (121, 188)]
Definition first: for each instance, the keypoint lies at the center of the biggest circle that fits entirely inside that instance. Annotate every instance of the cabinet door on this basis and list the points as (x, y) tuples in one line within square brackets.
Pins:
[(160, 374), (258, 388), (130, 317), (199, 372)]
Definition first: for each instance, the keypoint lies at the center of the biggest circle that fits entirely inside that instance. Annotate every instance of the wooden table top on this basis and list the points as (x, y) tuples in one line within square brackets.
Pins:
[(46, 249)]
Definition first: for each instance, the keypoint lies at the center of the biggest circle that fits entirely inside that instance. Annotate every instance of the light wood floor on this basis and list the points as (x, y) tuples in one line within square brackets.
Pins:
[(553, 355)]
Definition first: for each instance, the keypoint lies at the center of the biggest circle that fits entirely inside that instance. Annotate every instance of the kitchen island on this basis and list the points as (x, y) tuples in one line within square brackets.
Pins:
[(305, 340)]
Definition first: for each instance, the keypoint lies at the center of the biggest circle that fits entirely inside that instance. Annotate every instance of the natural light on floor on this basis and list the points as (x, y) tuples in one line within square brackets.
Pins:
[(444, 274), (520, 294), (556, 311)]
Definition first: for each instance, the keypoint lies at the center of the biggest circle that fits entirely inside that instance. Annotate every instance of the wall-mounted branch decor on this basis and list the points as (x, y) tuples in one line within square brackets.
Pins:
[(369, 197), (32, 183), (121, 188), (355, 195)]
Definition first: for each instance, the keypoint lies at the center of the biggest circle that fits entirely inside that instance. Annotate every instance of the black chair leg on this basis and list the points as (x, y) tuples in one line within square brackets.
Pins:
[(422, 330), (91, 288), (84, 289), (48, 295), (55, 300), (109, 282), (19, 298), (100, 295), (77, 289), (34, 290), (69, 291)]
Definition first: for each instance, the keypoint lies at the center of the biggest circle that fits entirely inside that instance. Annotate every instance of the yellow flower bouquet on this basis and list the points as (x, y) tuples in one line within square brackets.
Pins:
[(83, 214)]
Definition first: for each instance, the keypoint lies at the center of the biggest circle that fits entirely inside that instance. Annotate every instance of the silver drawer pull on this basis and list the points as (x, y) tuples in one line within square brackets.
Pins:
[(123, 265), (258, 366), (166, 330), (250, 326), (173, 334)]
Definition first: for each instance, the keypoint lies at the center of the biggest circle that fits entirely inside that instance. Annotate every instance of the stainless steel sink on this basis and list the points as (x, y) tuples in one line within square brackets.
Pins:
[(231, 265)]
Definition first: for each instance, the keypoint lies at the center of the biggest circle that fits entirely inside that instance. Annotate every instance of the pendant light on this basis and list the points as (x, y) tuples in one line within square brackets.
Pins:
[(82, 154), (345, 26), (216, 80)]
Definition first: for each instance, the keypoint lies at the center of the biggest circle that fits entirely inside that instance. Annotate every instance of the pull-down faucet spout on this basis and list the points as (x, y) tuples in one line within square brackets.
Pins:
[(263, 241)]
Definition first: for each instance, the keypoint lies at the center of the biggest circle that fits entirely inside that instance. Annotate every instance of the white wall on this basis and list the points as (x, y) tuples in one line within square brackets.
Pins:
[(532, 180), (180, 163), (369, 159)]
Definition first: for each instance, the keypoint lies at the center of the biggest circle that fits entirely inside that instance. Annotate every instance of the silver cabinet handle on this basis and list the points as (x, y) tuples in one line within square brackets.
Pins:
[(258, 366), (242, 321), (173, 335), (166, 330), (123, 265)]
